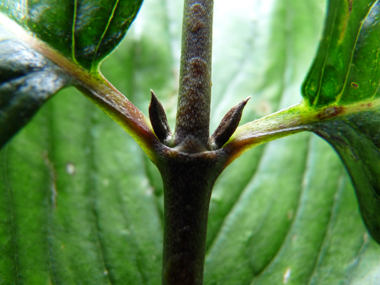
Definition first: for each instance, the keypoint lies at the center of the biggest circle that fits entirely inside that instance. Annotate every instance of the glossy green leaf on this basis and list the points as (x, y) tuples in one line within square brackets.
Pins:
[(345, 75), (346, 68), (27, 80), (356, 138), (84, 31), (82, 204), (45, 45)]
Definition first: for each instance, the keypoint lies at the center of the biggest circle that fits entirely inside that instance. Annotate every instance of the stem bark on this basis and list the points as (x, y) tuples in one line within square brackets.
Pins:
[(193, 113), (188, 182), (189, 169)]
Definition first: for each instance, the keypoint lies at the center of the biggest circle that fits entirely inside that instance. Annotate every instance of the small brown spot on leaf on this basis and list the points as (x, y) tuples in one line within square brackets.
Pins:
[(354, 85)]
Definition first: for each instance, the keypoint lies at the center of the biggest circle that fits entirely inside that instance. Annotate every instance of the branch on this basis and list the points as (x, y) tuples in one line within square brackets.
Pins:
[(289, 121), (193, 114)]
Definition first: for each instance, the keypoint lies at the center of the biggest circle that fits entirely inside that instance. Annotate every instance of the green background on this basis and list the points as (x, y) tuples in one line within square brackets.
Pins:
[(80, 203)]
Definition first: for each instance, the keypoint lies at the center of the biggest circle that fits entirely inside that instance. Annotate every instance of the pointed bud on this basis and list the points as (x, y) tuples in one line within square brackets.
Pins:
[(228, 125), (158, 120)]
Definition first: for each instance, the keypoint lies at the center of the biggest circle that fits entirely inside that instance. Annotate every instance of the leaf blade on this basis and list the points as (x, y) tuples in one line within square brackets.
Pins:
[(353, 53), (341, 66), (83, 31), (22, 72), (355, 138)]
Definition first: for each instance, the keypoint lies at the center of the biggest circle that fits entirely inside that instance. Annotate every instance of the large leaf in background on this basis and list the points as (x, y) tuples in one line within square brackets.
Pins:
[(81, 203), (346, 76), (83, 31)]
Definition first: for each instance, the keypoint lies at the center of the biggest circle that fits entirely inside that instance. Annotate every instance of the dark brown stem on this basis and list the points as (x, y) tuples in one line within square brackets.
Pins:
[(188, 182), (193, 114), (189, 168)]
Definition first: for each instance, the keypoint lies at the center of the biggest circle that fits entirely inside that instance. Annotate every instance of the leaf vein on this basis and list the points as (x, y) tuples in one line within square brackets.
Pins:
[(12, 216), (104, 34), (315, 102), (230, 211), (361, 251), (156, 199), (291, 226), (93, 190), (329, 229), (339, 97), (73, 31)]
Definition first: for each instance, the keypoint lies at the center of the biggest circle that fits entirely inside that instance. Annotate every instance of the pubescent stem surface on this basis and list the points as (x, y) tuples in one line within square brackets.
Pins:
[(188, 181), (193, 113)]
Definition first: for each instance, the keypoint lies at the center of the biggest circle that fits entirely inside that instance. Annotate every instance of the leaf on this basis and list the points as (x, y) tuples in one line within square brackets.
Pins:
[(67, 36), (283, 212), (345, 74), (84, 31), (346, 68), (355, 137), (27, 80)]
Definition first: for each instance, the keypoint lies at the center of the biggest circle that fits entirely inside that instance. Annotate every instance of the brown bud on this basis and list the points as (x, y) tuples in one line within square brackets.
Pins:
[(159, 120), (228, 125)]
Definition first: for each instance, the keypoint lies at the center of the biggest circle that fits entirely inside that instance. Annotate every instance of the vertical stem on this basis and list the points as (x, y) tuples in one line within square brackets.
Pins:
[(188, 172), (188, 183), (193, 114)]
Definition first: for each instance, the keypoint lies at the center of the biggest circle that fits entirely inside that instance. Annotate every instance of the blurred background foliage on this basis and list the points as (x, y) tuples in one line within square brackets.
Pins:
[(82, 204)]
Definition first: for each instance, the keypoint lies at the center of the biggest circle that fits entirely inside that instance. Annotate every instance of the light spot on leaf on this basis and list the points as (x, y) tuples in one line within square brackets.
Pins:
[(149, 191), (365, 237), (53, 175), (70, 168), (286, 276), (290, 215)]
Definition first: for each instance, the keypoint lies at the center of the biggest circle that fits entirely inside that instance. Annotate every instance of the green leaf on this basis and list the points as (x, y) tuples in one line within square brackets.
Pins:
[(81, 203), (346, 68), (346, 76), (356, 138), (67, 36), (27, 80), (84, 31)]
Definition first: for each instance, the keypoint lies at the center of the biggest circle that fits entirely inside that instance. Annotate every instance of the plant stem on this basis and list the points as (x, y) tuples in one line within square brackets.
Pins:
[(188, 182), (189, 169), (193, 114)]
